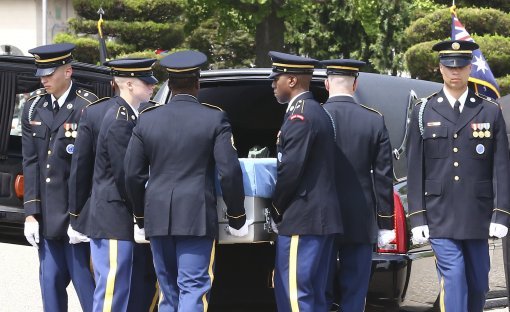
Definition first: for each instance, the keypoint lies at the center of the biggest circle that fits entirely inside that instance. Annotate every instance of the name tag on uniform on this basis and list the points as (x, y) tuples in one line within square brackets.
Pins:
[(35, 123), (433, 124)]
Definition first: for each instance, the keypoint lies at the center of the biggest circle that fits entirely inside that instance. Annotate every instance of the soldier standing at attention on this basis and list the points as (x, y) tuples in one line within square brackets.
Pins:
[(111, 217), (305, 205), (458, 180), (365, 181), (184, 142), (49, 123), (144, 290)]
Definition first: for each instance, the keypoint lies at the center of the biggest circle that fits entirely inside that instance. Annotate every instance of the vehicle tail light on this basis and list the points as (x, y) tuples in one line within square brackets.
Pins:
[(399, 245), (18, 186)]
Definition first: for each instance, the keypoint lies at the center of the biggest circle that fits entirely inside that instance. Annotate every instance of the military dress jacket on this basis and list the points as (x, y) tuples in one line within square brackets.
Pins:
[(183, 142), (82, 164), (111, 216), (48, 144), (365, 169), (305, 200), (458, 169)]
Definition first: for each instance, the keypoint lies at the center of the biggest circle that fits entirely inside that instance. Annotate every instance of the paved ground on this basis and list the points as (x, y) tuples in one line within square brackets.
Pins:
[(19, 282), (20, 287)]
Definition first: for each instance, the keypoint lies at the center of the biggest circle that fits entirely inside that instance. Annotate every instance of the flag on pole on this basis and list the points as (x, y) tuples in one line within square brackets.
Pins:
[(481, 75)]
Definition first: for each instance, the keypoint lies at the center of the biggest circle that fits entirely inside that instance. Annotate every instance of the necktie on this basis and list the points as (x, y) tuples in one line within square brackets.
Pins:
[(56, 107), (456, 108)]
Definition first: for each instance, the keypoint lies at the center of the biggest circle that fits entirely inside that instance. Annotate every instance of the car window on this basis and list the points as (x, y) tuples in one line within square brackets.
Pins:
[(18, 110)]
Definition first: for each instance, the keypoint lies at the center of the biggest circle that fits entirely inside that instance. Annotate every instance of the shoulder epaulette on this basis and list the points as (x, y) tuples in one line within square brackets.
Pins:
[(298, 107), (99, 101), (86, 95), (371, 109), (38, 92), (419, 101), (486, 98), (122, 114), (151, 107), (212, 106)]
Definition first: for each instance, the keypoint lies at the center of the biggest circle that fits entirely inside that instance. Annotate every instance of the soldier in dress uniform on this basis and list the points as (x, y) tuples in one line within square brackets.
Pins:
[(144, 289), (49, 124), (305, 206), (365, 181), (458, 179), (111, 217), (183, 142)]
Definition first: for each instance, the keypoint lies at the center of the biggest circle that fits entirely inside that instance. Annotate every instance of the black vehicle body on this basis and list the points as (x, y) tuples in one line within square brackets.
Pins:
[(243, 271)]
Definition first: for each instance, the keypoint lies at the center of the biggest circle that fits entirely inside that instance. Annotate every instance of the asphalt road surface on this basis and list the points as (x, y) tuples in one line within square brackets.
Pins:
[(20, 290)]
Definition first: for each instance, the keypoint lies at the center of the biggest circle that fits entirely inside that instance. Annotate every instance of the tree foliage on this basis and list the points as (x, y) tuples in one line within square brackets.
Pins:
[(262, 18), (234, 51), (87, 49), (158, 11), (503, 5), (437, 25), (504, 85), (141, 35)]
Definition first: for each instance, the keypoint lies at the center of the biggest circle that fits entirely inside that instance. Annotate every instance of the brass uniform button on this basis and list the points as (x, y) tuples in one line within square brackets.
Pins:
[(49, 152), (48, 180), (455, 150), (456, 164), (457, 178), (455, 136)]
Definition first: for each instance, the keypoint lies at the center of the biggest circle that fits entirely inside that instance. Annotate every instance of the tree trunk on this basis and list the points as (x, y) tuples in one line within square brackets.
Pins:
[(269, 36)]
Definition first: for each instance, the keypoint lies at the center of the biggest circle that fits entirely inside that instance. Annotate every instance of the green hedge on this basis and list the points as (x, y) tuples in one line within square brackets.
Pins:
[(504, 85), (143, 35), (87, 49), (437, 25), (422, 62), (163, 11)]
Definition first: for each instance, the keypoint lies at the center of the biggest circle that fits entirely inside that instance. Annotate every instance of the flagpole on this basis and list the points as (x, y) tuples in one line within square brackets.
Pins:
[(102, 44)]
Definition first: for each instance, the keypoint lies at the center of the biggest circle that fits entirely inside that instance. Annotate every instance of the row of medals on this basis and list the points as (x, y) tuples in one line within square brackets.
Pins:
[(481, 130), (71, 130)]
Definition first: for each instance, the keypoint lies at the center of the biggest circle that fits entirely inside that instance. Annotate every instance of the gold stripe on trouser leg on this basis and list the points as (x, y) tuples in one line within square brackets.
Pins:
[(91, 267), (441, 296), (211, 274), (293, 291), (110, 282), (161, 297), (155, 298)]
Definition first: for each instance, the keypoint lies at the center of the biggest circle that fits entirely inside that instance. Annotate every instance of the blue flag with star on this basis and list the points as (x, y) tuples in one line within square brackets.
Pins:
[(481, 75)]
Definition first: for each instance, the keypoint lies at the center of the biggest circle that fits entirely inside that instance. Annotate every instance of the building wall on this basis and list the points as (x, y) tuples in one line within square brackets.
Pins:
[(21, 22)]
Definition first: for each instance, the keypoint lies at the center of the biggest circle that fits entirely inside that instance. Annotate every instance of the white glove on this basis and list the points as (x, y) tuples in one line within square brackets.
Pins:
[(76, 237), (420, 234), (243, 231), (385, 237), (140, 235), (31, 232), (274, 227), (498, 230)]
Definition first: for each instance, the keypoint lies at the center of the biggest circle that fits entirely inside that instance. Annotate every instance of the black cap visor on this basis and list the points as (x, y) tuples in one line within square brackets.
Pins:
[(148, 79), (273, 75), (455, 61), (41, 72)]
